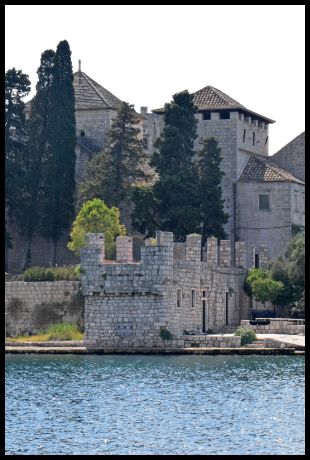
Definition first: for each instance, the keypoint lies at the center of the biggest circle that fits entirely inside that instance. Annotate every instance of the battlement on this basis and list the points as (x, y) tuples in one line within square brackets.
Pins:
[(162, 261), (216, 253)]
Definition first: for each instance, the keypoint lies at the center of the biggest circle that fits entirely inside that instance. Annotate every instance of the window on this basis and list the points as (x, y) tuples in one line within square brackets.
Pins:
[(256, 261), (193, 298), (225, 115), (244, 133), (145, 143), (296, 202), (82, 133), (226, 310), (266, 140), (264, 202), (179, 298), (253, 138), (207, 115)]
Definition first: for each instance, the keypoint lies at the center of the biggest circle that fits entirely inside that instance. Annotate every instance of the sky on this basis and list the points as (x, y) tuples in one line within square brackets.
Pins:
[(145, 54)]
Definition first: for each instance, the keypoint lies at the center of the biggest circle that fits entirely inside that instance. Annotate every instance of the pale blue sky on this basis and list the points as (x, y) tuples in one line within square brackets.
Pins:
[(145, 54)]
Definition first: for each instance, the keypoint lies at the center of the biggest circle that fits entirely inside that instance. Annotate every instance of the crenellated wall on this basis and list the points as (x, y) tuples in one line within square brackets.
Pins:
[(127, 303)]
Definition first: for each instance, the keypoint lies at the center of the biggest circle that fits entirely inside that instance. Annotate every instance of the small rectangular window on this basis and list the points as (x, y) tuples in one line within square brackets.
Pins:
[(256, 260), (207, 115), (227, 309), (145, 143), (244, 132), (253, 138), (225, 115), (204, 294), (296, 202), (264, 202), (179, 298), (193, 298)]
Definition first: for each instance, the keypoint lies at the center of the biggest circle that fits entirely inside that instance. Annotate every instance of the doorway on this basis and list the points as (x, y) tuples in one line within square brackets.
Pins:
[(204, 312)]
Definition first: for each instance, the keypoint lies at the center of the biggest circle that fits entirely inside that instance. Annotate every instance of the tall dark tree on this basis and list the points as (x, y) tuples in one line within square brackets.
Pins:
[(17, 86), (112, 173), (59, 168), (28, 216), (174, 192), (209, 190)]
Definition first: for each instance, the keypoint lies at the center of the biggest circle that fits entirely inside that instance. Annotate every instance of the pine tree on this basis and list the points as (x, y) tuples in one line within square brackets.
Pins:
[(17, 86), (112, 173), (174, 192), (59, 168), (28, 214), (209, 190)]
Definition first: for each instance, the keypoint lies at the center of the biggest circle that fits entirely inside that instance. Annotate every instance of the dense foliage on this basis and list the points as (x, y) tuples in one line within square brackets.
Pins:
[(187, 195), (212, 214), (59, 184), (17, 86), (284, 283), (247, 335), (62, 273), (96, 217), (112, 173)]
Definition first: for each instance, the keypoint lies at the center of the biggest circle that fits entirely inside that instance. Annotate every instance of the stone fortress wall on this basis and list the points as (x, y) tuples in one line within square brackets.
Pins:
[(175, 286), (33, 306)]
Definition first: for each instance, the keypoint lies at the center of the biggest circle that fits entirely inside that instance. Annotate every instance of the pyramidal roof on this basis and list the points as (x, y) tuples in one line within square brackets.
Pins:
[(90, 95), (210, 98), (263, 170)]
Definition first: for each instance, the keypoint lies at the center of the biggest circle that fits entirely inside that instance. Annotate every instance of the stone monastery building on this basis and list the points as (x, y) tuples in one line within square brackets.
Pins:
[(264, 195)]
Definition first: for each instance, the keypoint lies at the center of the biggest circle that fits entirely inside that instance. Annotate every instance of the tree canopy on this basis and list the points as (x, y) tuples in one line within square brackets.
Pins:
[(112, 173), (96, 217)]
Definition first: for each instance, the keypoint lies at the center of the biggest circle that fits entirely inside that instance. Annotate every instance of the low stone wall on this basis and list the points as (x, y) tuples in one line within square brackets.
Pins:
[(276, 327), (211, 341), (32, 306)]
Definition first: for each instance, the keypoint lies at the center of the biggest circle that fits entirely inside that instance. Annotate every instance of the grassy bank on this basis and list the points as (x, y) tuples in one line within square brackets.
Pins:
[(59, 331)]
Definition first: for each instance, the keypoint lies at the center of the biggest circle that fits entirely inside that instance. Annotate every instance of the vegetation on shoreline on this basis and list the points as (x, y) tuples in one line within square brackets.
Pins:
[(59, 331), (247, 335)]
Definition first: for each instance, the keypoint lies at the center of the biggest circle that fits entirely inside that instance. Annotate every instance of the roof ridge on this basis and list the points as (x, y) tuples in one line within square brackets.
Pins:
[(87, 78)]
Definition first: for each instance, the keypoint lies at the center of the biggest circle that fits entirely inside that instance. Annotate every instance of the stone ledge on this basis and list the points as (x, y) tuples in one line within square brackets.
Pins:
[(194, 351)]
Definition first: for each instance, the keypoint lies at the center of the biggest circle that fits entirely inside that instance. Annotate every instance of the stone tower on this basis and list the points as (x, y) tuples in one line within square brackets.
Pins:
[(239, 131), (95, 109)]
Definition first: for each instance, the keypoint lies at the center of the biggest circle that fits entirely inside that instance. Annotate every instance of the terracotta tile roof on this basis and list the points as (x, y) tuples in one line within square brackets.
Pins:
[(263, 170), (210, 98), (90, 95)]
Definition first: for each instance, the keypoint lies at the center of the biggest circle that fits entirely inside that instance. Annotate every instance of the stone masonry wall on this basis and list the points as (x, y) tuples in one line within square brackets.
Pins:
[(292, 157), (276, 326), (32, 306), (272, 227), (127, 304)]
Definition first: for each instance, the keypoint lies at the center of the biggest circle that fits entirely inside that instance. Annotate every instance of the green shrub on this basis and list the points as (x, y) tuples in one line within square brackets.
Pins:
[(63, 331), (165, 334), (247, 335), (63, 273)]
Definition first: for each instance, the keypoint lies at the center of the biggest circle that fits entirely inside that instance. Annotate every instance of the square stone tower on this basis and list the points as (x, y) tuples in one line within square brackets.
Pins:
[(239, 131)]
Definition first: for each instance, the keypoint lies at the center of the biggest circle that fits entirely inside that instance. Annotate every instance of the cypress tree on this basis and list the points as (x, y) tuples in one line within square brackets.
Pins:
[(209, 191), (59, 168), (174, 192), (28, 216)]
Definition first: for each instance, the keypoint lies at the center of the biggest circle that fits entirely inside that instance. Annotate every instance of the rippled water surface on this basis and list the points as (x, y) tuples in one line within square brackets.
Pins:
[(109, 404)]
